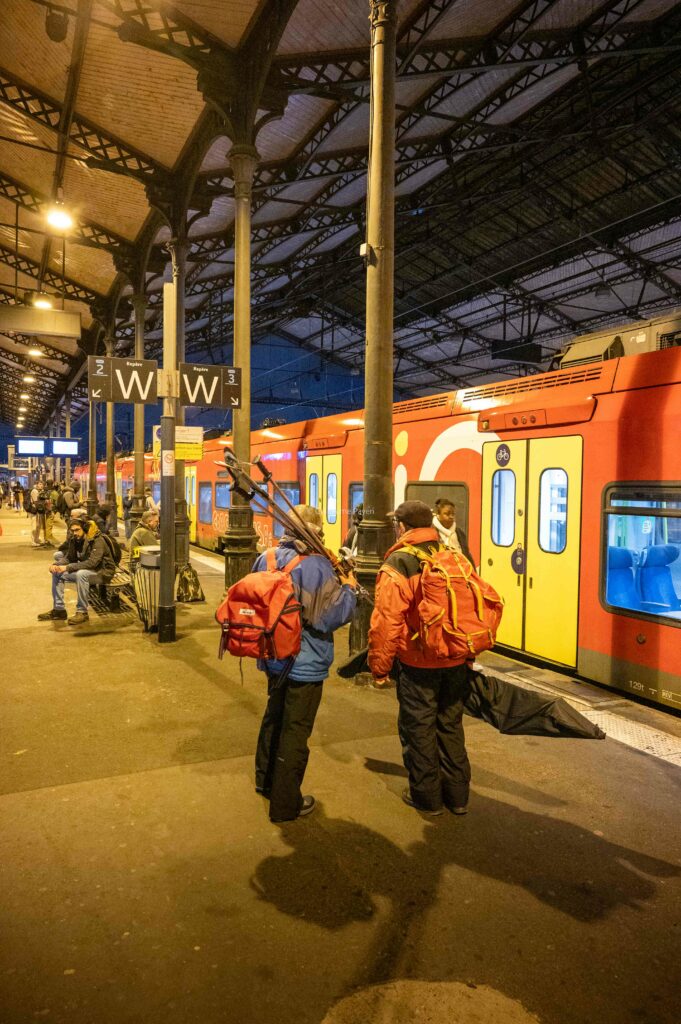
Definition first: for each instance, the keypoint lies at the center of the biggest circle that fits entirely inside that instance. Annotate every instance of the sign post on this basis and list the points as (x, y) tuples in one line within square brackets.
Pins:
[(166, 602)]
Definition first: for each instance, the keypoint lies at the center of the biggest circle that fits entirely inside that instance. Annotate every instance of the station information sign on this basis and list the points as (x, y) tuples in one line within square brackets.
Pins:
[(188, 443)]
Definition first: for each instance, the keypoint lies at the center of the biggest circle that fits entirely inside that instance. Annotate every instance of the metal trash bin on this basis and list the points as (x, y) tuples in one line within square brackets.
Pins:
[(147, 586)]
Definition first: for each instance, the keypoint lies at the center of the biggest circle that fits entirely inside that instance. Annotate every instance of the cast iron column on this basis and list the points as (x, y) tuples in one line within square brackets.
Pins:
[(178, 253), (375, 531), (240, 540), (110, 494), (67, 433), (91, 502), (139, 303)]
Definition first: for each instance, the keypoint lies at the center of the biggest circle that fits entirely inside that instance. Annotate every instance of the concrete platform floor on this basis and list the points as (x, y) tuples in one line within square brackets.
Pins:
[(143, 882)]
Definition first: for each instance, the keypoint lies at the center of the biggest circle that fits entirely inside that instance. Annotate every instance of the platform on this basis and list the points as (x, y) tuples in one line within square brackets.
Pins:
[(143, 882)]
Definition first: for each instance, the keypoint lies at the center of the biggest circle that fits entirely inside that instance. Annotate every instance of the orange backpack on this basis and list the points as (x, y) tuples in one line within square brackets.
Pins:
[(261, 615), (459, 612)]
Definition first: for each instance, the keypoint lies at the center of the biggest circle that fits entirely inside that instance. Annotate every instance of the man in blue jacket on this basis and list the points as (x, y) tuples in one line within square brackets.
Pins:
[(328, 604)]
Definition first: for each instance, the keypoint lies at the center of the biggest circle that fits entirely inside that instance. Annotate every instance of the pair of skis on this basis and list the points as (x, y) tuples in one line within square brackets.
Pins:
[(283, 511)]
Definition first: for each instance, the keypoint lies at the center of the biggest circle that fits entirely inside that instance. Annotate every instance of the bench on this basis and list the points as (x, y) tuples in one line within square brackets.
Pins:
[(106, 596)]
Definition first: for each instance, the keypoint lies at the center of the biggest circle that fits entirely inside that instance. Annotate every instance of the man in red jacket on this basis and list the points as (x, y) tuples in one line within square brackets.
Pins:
[(430, 691)]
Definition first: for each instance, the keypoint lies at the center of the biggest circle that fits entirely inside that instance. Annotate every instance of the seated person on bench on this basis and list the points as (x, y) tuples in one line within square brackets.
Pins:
[(145, 534), (80, 558)]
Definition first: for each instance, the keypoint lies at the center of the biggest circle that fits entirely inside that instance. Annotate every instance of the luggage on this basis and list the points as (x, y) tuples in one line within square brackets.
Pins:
[(458, 612), (261, 615)]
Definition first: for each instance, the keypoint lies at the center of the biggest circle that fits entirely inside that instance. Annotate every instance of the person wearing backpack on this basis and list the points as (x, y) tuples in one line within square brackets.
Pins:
[(69, 499), (327, 603), (37, 508), (432, 615)]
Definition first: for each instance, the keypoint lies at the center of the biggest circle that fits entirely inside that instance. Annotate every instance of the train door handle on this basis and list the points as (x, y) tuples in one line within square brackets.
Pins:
[(530, 583)]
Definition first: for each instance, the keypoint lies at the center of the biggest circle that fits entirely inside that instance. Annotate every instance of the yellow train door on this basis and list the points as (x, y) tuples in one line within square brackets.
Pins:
[(323, 482), (531, 512), (553, 538), (502, 544), (190, 498)]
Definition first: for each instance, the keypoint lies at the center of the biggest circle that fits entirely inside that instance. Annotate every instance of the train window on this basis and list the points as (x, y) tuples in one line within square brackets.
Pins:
[(642, 563), (188, 490), (503, 507), (331, 498), (292, 492), (355, 496), (193, 490), (222, 495), (429, 491), (206, 503), (259, 506), (313, 489), (553, 488)]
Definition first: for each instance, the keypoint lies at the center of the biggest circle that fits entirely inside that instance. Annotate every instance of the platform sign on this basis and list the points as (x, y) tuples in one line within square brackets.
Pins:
[(188, 443), (34, 446), (204, 384), (122, 380)]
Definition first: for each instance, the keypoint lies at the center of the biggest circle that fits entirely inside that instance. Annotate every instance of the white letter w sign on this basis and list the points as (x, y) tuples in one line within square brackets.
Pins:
[(134, 380), (201, 385)]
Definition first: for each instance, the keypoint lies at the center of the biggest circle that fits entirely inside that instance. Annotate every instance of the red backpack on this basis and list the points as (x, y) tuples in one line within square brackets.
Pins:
[(261, 615), (459, 612)]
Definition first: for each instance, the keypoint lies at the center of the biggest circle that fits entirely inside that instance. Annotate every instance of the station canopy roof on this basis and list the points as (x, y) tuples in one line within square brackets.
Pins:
[(537, 175)]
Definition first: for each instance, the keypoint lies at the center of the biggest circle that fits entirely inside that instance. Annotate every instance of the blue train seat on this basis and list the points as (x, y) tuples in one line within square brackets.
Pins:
[(621, 586), (655, 576)]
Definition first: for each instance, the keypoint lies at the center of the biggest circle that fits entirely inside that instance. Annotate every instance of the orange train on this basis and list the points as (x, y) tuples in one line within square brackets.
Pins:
[(568, 484)]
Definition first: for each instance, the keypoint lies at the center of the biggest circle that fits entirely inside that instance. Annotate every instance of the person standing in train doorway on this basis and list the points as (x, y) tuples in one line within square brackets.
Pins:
[(430, 689), (451, 535)]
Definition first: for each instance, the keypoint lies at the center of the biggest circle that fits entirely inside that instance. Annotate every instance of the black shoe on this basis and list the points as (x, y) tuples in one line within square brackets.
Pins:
[(54, 613), (79, 618), (433, 812), (307, 807), (459, 810), (262, 792)]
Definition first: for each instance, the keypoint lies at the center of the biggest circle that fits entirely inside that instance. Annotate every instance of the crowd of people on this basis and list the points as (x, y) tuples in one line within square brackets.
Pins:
[(430, 691), (91, 551)]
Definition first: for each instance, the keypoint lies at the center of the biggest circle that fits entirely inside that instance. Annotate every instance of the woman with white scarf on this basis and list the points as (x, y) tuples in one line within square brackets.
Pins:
[(444, 521)]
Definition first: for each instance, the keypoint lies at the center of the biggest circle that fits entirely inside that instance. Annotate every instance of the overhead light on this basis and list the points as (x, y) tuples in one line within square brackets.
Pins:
[(35, 352), (57, 215), (22, 408), (24, 395), (42, 300), (28, 379), (56, 25)]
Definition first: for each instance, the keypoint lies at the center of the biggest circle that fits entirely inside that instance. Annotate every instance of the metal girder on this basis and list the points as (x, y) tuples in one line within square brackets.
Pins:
[(459, 142), (164, 24), (236, 83), (103, 148), (566, 210), (343, 70), (20, 365), (83, 232), (72, 289)]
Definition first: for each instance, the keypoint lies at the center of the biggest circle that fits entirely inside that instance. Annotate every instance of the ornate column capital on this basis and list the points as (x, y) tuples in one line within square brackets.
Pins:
[(382, 11), (243, 160)]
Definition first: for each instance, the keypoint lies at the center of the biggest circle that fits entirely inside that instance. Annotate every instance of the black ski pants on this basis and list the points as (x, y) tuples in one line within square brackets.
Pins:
[(282, 751), (431, 732)]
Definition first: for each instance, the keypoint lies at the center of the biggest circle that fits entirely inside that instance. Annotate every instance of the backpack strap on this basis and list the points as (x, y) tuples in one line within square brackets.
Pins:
[(271, 557)]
